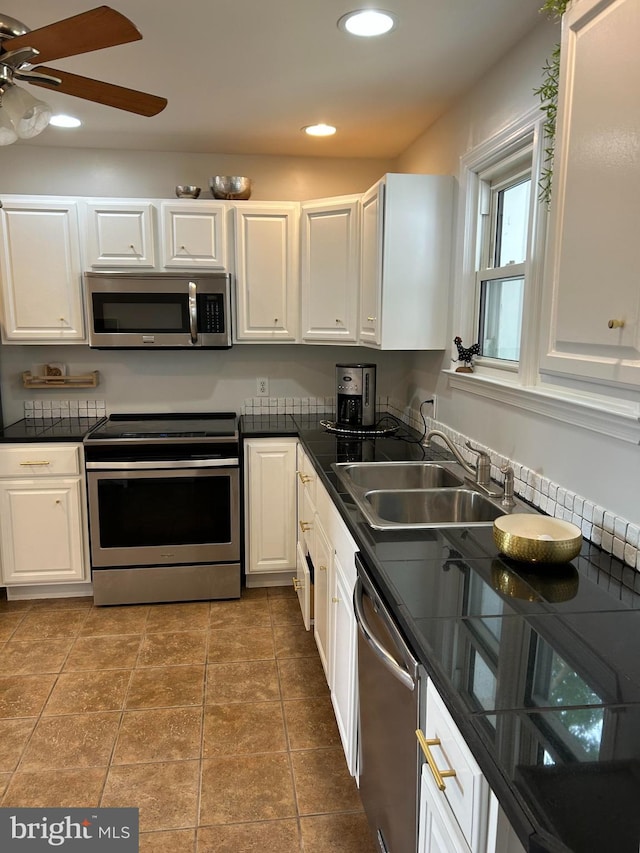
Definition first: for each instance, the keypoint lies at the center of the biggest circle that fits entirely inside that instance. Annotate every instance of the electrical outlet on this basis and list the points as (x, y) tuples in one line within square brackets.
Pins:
[(262, 386)]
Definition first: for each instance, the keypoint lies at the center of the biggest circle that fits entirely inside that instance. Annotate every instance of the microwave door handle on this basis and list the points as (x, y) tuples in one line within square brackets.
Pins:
[(193, 312)]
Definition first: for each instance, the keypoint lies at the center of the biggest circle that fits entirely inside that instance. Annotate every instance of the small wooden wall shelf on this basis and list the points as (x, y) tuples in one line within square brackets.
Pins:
[(85, 380)]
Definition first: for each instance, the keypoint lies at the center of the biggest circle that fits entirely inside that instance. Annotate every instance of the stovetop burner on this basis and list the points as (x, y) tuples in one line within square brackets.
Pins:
[(179, 425)]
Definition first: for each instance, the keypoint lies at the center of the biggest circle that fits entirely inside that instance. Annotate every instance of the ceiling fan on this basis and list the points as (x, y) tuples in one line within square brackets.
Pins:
[(22, 50)]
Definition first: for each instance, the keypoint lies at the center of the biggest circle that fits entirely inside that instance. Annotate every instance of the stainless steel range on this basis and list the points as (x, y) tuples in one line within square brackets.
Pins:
[(164, 507)]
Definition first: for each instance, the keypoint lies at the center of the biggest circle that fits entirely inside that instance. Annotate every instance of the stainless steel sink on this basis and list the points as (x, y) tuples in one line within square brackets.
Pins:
[(397, 475), (427, 508)]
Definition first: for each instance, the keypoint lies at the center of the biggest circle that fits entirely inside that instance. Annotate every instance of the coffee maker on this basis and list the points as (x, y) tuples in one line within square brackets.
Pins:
[(355, 396)]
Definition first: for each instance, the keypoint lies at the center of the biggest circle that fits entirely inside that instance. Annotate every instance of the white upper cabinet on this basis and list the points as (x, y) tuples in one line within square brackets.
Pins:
[(405, 263), (194, 235), (41, 271), (593, 275), (267, 271), (330, 261), (119, 234)]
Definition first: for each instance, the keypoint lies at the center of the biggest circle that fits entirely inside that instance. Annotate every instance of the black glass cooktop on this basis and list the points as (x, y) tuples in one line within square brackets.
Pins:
[(173, 425)]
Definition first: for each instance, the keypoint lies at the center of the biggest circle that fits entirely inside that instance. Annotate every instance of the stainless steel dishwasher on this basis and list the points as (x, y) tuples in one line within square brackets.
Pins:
[(389, 680)]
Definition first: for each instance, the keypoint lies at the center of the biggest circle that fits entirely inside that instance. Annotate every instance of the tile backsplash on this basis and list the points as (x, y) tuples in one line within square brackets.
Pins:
[(64, 408)]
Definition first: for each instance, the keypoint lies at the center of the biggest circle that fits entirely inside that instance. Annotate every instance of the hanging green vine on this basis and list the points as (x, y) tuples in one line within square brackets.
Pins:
[(548, 94)]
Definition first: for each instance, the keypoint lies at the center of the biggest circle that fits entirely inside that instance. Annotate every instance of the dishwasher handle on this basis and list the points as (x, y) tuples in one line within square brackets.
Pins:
[(400, 673)]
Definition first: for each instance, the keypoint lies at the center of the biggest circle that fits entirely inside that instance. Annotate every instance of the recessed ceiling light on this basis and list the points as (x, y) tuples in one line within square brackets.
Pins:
[(64, 121), (368, 22), (320, 129)]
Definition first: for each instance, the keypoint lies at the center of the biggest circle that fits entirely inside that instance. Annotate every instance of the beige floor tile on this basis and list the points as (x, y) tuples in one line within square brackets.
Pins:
[(237, 728), (294, 642), (340, 833), (236, 644), (19, 606), (242, 681), (76, 740), (323, 783), (251, 593), (168, 734), (14, 735), (24, 695), (179, 648), (285, 610), (311, 723), (302, 678), (80, 692), (189, 616), (282, 591), (246, 613), (237, 788), (130, 619), (8, 624), (165, 687), (166, 793), (24, 657), (272, 836), (5, 778), (172, 841), (110, 652), (56, 788), (38, 624)]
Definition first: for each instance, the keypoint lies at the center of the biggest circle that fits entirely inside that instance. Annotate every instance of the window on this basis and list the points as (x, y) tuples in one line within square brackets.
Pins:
[(498, 288), (505, 194)]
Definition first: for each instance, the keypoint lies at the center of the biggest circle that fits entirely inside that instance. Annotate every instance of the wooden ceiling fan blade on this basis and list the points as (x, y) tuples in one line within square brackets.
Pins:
[(102, 93), (92, 30)]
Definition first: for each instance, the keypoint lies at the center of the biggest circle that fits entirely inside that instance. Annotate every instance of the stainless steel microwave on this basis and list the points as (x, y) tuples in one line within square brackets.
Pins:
[(158, 310)]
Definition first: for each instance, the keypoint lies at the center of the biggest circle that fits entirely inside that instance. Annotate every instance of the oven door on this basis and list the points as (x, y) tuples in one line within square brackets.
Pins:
[(165, 516)]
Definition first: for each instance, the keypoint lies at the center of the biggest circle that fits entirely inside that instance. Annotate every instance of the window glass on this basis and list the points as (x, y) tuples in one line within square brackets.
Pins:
[(512, 224), (501, 317)]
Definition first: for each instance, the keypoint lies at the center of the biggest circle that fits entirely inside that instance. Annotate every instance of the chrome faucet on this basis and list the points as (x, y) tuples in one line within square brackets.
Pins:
[(481, 473), (507, 496)]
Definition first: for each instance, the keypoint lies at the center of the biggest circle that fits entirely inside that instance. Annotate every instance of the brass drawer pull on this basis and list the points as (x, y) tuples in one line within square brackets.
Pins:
[(438, 775), (297, 584), (37, 462), (304, 478), (616, 324), (304, 526)]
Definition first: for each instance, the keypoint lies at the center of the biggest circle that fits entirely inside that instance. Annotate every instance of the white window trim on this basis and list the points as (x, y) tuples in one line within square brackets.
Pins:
[(520, 385)]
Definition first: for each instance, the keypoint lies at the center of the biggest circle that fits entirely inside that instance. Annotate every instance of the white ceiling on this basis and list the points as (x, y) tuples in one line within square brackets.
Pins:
[(243, 76)]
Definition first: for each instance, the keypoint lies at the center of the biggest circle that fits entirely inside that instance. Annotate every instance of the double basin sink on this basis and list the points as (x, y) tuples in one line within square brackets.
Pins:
[(410, 495)]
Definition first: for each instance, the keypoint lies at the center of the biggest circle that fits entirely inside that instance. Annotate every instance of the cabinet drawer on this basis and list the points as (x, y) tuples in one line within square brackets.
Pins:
[(307, 477), (466, 792), (37, 460)]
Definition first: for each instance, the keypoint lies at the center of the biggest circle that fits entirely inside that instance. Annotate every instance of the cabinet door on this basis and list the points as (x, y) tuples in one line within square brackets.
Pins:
[(119, 234), (593, 305), (267, 271), (42, 531), (302, 585), (330, 269), (270, 505), (371, 265), (41, 272), (194, 236), (438, 831), (323, 564), (344, 683)]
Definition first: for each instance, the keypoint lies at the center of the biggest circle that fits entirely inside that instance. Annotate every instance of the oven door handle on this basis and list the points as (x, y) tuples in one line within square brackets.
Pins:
[(193, 312), (166, 464)]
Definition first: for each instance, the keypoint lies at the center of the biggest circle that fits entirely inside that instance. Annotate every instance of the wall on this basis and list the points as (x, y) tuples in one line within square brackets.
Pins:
[(210, 380), (603, 470), (152, 174)]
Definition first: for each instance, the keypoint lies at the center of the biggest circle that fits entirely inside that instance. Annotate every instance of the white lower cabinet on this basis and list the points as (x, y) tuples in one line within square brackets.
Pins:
[(458, 811), (344, 681), (322, 582), (42, 515), (270, 505)]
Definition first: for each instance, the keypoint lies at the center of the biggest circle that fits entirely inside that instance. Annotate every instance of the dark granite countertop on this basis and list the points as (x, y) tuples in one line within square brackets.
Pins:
[(538, 665), (48, 429)]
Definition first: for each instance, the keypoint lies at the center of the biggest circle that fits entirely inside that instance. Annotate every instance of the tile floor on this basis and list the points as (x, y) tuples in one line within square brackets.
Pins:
[(213, 718)]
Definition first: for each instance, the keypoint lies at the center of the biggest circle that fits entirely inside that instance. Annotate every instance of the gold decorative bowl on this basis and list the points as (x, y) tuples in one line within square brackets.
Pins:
[(537, 538)]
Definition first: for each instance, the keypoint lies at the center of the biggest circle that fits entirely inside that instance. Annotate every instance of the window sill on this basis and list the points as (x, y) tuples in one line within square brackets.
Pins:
[(604, 415)]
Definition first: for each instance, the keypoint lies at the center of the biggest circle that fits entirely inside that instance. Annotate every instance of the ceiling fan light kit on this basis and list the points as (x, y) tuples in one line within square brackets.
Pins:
[(22, 115)]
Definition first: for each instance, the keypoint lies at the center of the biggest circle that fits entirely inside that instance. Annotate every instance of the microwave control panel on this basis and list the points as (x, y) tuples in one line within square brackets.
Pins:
[(211, 312)]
